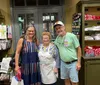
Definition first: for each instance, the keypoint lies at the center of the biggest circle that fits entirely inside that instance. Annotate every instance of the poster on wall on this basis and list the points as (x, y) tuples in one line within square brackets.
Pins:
[(3, 32)]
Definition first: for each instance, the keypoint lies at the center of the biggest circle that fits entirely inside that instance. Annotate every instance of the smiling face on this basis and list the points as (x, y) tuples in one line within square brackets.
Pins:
[(46, 39), (60, 30), (30, 32)]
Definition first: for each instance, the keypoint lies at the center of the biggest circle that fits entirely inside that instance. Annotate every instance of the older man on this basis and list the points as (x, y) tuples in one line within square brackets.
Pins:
[(70, 53)]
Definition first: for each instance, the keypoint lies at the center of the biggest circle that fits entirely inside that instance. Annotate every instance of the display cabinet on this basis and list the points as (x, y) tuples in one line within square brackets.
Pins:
[(90, 23), (90, 42), (90, 71)]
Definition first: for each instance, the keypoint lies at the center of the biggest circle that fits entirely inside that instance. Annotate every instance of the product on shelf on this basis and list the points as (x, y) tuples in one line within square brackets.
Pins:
[(93, 28), (92, 51), (76, 24), (89, 38), (97, 37), (89, 52), (91, 17)]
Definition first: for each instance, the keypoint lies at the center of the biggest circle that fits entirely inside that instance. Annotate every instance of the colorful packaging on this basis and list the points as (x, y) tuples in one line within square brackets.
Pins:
[(18, 75)]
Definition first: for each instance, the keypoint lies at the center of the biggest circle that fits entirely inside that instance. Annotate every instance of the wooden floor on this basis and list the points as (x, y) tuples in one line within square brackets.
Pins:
[(60, 82)]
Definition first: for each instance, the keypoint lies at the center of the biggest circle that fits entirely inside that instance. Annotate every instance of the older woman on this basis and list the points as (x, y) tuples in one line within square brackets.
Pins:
[(49, 60), (27, 46)]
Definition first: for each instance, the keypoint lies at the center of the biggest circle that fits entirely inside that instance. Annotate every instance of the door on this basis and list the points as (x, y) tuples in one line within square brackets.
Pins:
[(47, 18), (92, 72), (43, 18), (23, 17)]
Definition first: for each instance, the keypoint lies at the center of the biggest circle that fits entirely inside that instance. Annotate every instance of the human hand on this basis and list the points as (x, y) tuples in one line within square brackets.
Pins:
[(16, 69), (78, 66), (55, 70), (18, 74)]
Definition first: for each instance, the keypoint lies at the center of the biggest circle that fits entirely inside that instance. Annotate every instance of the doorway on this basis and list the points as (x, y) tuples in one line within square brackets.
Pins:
[(43, 18)]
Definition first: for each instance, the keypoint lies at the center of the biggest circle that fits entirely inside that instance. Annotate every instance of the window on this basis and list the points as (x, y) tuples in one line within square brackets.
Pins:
[(48, 22), (36, 2), (31, 2), (42, 2), (30, 18), (19, 2), (54, 2)]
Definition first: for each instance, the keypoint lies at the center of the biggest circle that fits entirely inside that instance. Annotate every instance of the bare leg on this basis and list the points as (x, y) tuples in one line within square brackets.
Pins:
[(67, 82), (74, 83)]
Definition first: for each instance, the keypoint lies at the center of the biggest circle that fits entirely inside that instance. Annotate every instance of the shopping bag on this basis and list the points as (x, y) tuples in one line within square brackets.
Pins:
[(14, 81)]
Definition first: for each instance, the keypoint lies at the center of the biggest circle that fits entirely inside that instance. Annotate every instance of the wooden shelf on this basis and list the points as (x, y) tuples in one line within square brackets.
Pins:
[(90, 64), (93, 31), (92, 40), (92, 58), (92, 20)]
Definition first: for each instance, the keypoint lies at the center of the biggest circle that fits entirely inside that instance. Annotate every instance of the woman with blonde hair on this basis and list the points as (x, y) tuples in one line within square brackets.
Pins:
[(49, 60), (27, 46)]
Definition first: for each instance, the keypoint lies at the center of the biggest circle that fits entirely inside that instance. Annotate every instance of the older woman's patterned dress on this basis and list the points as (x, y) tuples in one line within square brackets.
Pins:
[(30, 64)]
